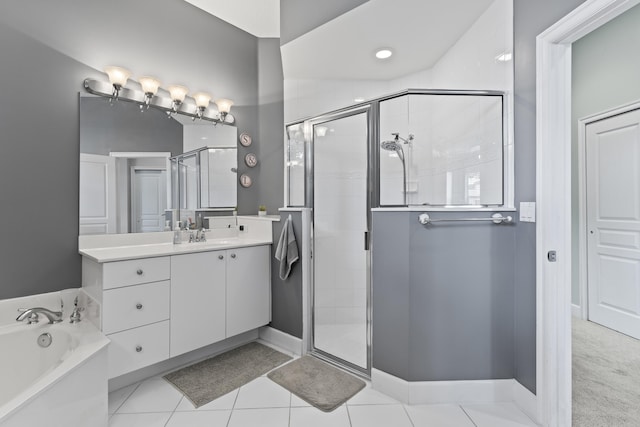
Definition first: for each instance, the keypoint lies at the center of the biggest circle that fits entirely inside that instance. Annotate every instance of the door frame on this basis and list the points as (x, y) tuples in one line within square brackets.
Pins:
[(583, 277), (553, 196), (371, 112)]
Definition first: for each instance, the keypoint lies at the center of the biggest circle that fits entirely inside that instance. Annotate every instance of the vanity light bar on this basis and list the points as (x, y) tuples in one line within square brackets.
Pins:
[(161, 102)]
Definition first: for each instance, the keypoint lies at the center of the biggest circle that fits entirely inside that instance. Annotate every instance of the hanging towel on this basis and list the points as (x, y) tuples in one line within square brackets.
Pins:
[(287, 249)]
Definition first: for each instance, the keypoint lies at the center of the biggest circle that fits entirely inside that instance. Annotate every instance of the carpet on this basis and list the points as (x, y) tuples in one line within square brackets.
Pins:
[(209, 379), (606, 377), (317, 382)]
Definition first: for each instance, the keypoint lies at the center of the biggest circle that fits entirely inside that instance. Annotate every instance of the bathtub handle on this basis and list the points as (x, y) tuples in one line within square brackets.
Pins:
[(138, 348), (139, 306), (139, 272)]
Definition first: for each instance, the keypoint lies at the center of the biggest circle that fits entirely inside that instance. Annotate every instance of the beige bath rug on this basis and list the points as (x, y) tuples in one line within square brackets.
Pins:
[(317, 382), (209, 379)]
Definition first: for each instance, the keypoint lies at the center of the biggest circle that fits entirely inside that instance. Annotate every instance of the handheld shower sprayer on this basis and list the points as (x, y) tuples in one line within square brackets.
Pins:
[(394, 145)]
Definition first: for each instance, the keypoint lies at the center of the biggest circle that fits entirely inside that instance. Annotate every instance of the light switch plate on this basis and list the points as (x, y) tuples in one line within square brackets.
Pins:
[(527, 211)]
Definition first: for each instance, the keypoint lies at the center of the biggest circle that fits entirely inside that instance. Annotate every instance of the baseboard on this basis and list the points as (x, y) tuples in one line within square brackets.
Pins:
[(182, 360), (455, 392), (525, 400), (576, 311), (479, 391), (390, 385), (281, 339)]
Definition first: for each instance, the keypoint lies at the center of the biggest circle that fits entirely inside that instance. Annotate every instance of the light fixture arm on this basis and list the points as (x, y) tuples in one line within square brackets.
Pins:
[(159, 101)]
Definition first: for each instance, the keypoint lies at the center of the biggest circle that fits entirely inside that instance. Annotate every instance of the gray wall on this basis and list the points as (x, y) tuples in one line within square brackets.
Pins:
[(39, 113), (530, 19), (286, 295), (442, 298), (604, 76), (106, 127), (298, 17), (271, 122), (39, 169)]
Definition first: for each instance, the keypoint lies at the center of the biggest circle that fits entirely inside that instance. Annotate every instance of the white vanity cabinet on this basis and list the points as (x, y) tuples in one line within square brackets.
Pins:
[(174, 300), (218, 294), (198, 288), (135, 300), (248, 289)]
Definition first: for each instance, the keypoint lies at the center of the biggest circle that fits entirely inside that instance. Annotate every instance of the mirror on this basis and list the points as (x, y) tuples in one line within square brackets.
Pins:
[(128, 183)]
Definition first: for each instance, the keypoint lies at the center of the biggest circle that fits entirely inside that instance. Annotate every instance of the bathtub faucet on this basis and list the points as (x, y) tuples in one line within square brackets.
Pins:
[(31, 315)]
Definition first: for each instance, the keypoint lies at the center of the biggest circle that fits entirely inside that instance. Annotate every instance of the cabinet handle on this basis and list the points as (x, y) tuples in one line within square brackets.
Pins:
[(139, 272), (233, 256), (138, 348), (220, 256), (139, 306)]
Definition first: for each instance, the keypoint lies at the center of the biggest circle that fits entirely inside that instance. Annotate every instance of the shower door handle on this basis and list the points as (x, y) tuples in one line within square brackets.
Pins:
[(367, 242)]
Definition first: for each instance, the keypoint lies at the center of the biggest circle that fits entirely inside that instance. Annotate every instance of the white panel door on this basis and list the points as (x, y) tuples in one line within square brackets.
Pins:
[(613, 221), (97, 194), (149, 200)]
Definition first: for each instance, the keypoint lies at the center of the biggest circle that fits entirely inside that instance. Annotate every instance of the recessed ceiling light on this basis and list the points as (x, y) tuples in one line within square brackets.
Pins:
[(358, 99), (384, 53), (504, 57)]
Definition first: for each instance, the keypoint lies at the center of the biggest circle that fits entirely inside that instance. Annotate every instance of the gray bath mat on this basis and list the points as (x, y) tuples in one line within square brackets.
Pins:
[(317, 382), (205, 381)]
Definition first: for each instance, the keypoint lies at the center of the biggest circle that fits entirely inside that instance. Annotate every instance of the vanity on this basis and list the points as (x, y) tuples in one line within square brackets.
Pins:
[(159, 300)]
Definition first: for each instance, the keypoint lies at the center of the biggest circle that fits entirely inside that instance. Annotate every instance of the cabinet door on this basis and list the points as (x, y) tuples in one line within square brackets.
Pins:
[(248, 289), (197, 300)]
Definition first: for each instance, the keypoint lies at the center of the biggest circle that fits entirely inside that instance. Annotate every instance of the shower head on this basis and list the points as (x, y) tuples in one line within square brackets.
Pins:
[(390, 146)]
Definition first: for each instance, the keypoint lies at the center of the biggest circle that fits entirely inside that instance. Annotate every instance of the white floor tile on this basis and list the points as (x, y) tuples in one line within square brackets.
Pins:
[(117, 397), (262, 393), (269, 417), (438, 416), (313, 417), (497, 415), (369, 396), (223, 402), (379, 416), (153, 395), (158, 419), (297, 402), (199, 419)]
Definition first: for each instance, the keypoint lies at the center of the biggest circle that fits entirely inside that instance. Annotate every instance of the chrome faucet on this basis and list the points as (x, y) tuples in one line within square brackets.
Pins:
[(31, 315), (75, 314), (200, 237)]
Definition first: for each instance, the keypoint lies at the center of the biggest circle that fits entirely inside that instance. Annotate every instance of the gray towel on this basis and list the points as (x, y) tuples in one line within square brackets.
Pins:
[(287, 249)]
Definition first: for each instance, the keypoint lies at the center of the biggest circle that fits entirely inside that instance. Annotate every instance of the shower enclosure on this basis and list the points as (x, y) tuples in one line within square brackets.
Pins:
[(432, 148)]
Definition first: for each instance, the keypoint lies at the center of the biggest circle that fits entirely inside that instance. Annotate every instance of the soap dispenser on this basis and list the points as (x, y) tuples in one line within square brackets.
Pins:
[(177, 233)]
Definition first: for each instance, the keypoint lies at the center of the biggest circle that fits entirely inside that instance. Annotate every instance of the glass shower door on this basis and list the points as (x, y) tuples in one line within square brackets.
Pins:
[(340, 221)]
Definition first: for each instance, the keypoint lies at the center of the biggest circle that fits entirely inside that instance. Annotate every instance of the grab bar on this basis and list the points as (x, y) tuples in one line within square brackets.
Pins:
[(496, 218)]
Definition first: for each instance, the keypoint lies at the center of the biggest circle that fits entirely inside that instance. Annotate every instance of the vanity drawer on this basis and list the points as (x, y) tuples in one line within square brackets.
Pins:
[(137, 348), (133, 306), (135, 271)]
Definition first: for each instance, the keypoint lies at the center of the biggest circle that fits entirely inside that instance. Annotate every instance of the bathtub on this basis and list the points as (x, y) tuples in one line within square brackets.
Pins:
[(62, 384)]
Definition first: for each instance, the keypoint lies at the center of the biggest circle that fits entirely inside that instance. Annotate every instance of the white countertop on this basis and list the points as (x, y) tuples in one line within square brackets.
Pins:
[(121, 253)]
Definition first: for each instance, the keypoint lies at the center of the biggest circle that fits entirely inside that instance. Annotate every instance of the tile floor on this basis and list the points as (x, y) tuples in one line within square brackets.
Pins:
[(263, 403)]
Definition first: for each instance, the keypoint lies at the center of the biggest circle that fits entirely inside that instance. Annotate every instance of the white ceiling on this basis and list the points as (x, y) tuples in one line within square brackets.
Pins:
[(418, 31), (258, 17)]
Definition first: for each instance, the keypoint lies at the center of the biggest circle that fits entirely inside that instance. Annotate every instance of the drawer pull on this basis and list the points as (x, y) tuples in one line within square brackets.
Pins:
[(220, 256), (233, 256), (138, 348), (139, 306), (139, 272)]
